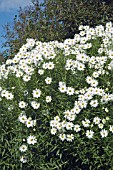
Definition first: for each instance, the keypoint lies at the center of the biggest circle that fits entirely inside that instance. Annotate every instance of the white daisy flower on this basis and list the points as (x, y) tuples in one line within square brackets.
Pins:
[(48, 99), (94, 83), (50, 65), (62, 88), (107, 118), (106, 110), (94, 103), (104, 133), (57, 118), (23, 148), (53, 131), (88, 96), (48, 80), (96, 120), (22, 104), (70, 90), (111, 128), (58, 125), (22, 118), (77, 109), (19, 74), (100, 125), (86, 122), (23, 159), (26, 78), (88, 79), (77, 128), (3, 93), (9, 96), (69, 137), (29, 123), (89, 134), (40, 71), (95, 74), (62, 137), (31, 140), (69, 125), (81, 66), (36, 93), (67, 113), (53, 123), (45, 65), (103, 121), (82, 104)]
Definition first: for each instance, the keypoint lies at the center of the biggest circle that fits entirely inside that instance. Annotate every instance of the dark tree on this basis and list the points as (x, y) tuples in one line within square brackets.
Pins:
[(54, 20)]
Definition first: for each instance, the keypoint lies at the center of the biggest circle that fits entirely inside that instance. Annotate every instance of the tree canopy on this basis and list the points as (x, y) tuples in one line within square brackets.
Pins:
[(54, 20)]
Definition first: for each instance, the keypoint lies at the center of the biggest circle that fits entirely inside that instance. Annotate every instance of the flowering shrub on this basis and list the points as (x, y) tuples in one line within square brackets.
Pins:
[(61, 95)]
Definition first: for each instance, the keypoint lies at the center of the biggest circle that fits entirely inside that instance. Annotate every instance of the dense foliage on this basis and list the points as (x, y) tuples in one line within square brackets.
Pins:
[(56, 103)]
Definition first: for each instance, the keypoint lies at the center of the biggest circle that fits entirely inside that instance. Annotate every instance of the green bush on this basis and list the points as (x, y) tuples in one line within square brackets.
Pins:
[(56, 104)]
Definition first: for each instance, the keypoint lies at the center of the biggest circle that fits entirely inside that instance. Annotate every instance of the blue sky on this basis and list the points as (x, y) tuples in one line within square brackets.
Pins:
[(8, 9)]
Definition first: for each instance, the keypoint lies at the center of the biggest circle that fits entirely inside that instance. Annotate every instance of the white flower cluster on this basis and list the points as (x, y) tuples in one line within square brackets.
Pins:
[(23, 64), (8, 95), (64, 126), (23, 148), (70, 115), (75, 64), (64, 89), (27, 121), (42, 59), (31, 140), (49, 66), (34, 104)]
